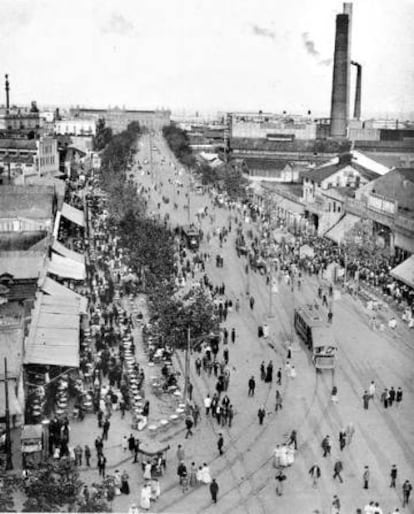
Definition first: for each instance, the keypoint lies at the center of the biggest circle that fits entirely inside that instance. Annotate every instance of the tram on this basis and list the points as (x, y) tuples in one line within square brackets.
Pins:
[(317, 334), (191, 237)]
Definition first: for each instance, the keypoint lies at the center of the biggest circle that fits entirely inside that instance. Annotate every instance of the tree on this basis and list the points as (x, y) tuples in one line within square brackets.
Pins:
[(8, 485), (54, 485), (103, 135)]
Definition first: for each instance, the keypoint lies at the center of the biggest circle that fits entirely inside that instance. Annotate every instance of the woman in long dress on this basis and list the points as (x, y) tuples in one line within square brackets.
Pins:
[(155, 489), (124, 483), (206, 477), (145, 502), (147, 471), (117, 483), (193, 475)]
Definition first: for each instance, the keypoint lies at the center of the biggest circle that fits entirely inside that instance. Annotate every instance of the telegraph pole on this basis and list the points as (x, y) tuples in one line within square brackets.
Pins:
[(9, 461), (187, 365)]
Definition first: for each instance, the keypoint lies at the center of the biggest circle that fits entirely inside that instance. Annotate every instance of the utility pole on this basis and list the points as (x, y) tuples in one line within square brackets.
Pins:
[(151, 168), (189, 206), (9, 461), (187, 365)]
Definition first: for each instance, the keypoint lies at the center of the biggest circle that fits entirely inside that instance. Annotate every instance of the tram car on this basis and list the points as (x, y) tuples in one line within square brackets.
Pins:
[(311, 325)]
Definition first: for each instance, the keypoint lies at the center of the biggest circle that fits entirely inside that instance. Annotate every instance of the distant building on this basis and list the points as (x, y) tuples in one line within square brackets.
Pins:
[(119, 119), (76, 127), (271, 170)]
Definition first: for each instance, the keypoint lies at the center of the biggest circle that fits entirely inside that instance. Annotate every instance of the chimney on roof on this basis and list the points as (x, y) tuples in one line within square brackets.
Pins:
[(357, 105), (7, 94)]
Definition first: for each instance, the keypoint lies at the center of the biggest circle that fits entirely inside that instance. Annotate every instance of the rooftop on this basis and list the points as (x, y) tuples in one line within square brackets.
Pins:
[(18, 144), (21, 265), (35, 202)]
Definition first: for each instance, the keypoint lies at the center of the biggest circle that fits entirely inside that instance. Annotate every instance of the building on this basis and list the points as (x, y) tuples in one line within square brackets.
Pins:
[(26, 215), (76, 127), (28, 156), (273, 170), (119, 119)]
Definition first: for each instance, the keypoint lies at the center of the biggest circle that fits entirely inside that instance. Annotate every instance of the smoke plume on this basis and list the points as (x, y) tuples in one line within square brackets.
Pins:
[(311, 49), (263, 32)]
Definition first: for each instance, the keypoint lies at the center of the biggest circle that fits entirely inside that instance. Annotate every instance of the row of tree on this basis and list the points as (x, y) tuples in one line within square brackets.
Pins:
[(227, 177), (151, 247)]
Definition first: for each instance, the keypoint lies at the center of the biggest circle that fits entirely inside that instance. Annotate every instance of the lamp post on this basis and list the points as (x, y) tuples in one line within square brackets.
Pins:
[(9, 460)]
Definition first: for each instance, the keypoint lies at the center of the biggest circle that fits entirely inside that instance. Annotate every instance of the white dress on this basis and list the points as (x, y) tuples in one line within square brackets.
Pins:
[(283, 456), (147, 472), (145, 502), (205, 474)]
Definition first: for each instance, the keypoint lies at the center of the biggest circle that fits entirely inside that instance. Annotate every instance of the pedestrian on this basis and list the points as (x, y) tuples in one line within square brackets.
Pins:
[(230, 414), (334, 394), (326, 446), (196, 414), (181, 472), (214, 488), (342, 439), (101, 465), (269, 373), (78, 455), (350, 431), (207, 404), (251, 302), (399, 396), (391, 396), (279, 376), (131, 443), (372, 390), (233, 332), (393, 475), (180, 453), (315, 473), (189, 425), (87, 452), (280, 478), (220, 443), (406, 490), (365, 477), (226, 355), (330, 316), (262, 371), (105, 430), (193, 475), (124, 483), (289, 352), (385, 398), (261, 413), (136, 450), (336, 505), (338, 467), (252, 386), (279, 403), (365, 399), (190, 391)]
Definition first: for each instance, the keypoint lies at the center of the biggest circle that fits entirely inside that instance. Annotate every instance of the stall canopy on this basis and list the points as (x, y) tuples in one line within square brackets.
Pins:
[(54, 333), (404, 272), (66, 252), (73, 214), (57, 291), (66, 268), (344, 225)]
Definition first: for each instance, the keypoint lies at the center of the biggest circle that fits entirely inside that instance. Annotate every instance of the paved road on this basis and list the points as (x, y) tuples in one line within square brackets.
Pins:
[(244, 473)]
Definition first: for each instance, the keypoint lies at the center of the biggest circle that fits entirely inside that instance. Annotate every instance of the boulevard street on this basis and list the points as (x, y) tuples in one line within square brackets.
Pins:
[(245, 475)]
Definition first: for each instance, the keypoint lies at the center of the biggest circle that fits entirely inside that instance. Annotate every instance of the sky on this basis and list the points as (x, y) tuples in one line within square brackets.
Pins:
[(204, 55)]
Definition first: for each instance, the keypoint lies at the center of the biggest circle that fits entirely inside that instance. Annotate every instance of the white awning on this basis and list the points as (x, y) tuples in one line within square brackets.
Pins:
[(404, 272), (344, 225), (58, 291), (56, 225), (73, 214), (66, 252), (66, 268), (53, 336)]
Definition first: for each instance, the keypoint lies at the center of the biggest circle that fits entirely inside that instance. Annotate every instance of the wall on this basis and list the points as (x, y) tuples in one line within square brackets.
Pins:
[(344, 177), (47, 156), (258, 130), (76, 127)]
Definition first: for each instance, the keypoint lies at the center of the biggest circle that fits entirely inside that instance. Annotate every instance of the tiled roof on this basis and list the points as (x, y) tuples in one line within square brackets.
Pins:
[(407, 173), (266, 164)]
